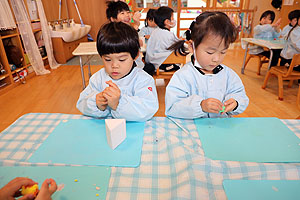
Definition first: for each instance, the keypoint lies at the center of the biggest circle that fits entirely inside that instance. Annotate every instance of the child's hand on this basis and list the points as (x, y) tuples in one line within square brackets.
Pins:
[(12, 189), (211, 105), (48, 188), (276, 25), (101, 101), (112, 94), (230, 104), (141, 42), (136, 17)]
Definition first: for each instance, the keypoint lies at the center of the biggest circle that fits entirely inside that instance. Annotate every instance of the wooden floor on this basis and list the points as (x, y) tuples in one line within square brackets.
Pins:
[(58, 92)]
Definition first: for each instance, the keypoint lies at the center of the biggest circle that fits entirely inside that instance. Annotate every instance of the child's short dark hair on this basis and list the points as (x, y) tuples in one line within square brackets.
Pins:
[(293, 14), (267, 13), (114, 8), (150, 16), (209, 23), (161, 14), (117, 37)]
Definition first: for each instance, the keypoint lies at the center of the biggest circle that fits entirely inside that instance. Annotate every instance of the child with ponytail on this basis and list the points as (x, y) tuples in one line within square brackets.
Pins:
[(204, 87)]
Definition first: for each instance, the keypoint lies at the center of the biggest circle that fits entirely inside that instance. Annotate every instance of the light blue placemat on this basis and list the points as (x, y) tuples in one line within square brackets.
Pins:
[(248, 140), (83, 142), (91, 180), (262, 189)]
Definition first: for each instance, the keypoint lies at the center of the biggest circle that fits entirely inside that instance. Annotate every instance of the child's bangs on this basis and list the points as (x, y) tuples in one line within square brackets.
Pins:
[(224, 29), (113, 46)]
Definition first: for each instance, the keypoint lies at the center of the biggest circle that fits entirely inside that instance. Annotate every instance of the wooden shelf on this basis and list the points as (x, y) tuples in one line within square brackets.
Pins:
[(10, 35), (20, 69), (36, 30), (3, 76), (8, 80)]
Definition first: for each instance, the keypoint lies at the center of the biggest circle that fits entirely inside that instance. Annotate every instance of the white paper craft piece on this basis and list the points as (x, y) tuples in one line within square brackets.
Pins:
[(115, 131)]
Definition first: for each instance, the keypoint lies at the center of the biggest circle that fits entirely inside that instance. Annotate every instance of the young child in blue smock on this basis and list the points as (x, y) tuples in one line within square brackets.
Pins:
[(118, 11), (266, 30), (120, 89), (205, 87), (150, 25), (293, 16), (161, 39), (292, 45)]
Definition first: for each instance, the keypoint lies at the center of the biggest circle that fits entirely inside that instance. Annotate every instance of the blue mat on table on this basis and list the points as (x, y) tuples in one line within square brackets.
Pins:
[(248, 140), (90, 180), (262, 189), (83, 142)]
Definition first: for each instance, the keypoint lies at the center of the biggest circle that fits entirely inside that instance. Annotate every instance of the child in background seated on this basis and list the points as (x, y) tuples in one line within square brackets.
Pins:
[(119, 90), (161, 39), (203, 87), (293, 15), (12, 189), (266, 30), (150, 25), (292, 45), (118, 11)]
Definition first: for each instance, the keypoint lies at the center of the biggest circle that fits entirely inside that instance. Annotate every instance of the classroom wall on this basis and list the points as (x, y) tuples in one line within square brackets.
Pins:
[(286, 9), (92, 12)]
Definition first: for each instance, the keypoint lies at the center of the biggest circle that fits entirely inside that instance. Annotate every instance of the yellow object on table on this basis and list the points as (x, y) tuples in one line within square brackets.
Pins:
[(30, 190)]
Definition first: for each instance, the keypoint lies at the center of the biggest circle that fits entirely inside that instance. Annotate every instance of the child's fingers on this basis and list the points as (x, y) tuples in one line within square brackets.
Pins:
[(110, 83), (27, 197), (18, 182), (111, 91), (106, 95), (53, 186), (229, 101)]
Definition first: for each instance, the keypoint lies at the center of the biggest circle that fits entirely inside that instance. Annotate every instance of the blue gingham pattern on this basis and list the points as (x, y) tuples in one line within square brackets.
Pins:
[(173, 165)]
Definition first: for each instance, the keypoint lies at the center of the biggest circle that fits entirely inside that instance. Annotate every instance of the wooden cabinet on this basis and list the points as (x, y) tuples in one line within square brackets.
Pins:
[(63, 50)]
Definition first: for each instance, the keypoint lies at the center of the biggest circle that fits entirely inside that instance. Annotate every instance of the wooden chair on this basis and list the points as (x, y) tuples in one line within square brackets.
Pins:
[(172, 59), (261, 60), (284, 73)]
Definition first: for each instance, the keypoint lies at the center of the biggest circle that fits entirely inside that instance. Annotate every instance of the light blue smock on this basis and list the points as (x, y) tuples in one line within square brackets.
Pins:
[(188, 87), (146, 31), (138, 100), (285, 31), (266, 32), (158, 43), (292, 45)]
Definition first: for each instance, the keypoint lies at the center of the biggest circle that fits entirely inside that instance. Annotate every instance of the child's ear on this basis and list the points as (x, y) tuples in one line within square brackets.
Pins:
[(167, 22), (113, 19)]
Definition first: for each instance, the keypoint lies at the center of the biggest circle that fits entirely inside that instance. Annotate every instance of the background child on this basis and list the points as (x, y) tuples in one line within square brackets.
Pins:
[(12, 189), (293, 15), (119, 90), (266, 30), (202, 87), (150, 25), (292, 45), (118, 11), (161, 39)]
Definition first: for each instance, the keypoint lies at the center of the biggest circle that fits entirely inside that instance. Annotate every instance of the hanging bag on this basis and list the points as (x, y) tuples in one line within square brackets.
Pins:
[(14, 55)]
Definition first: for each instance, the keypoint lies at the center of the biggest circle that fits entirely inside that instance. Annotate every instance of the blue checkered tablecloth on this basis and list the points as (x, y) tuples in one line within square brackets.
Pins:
[(173, 165)]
